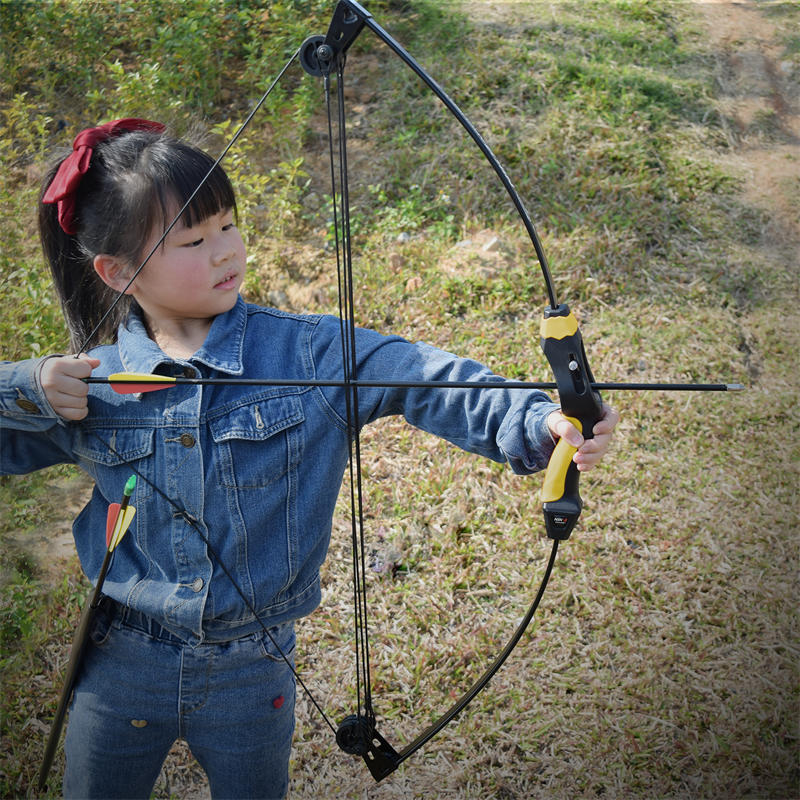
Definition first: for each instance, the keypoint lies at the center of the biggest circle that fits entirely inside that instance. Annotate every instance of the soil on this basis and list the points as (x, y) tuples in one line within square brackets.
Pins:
[(51, 546), (759, 105)]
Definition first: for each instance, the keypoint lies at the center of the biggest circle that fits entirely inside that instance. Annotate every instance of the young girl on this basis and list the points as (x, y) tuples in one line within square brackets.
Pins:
[(253, 471)]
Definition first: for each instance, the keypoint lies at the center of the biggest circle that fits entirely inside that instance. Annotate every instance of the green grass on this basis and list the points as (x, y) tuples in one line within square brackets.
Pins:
[(663, 659)]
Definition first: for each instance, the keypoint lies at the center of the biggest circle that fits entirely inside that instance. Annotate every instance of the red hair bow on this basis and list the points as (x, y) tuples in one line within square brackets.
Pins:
[(63, 186)]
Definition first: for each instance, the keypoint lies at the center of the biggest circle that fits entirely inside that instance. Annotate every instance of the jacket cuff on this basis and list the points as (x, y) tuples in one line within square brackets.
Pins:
[(529, 445), (21, 395)]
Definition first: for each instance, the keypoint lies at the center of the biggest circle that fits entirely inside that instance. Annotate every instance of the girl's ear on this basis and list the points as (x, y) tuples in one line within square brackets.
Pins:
[(112, 271)]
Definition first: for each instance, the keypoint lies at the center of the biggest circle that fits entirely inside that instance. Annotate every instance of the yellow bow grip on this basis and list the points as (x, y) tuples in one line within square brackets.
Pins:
[(580, 403), (556, 476), (561, 501)]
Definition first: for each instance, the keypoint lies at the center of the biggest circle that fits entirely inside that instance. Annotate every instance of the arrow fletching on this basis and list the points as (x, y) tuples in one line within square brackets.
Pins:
[(120, 516), (111, 521), (117, 524), (136, 383)]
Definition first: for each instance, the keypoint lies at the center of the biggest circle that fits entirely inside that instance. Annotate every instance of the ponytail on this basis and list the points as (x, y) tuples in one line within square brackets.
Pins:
[(83, 295)]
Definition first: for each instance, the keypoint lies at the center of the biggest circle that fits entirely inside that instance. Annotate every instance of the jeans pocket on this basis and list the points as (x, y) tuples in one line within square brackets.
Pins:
[(278, 643)]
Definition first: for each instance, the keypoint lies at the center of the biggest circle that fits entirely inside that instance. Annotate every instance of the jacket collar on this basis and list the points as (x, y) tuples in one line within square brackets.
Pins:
[(222, 350)]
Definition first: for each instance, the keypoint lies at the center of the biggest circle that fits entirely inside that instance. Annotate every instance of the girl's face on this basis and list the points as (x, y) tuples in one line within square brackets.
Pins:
[(195, 274)]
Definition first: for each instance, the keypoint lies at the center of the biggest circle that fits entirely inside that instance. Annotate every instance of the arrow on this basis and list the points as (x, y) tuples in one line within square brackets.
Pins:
[(120, 516), (137, 383)]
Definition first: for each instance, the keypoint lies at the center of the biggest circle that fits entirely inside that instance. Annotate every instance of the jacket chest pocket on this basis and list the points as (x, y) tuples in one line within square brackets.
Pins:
[(105, 451), (258, 443)]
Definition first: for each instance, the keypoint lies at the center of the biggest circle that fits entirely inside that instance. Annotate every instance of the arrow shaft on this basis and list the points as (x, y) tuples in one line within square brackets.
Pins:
[(154, 382)]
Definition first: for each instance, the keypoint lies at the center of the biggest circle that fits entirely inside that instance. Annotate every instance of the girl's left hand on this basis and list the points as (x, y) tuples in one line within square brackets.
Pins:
[(590, 451)]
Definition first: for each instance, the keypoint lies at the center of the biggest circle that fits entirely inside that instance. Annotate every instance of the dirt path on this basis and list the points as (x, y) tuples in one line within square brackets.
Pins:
[(759, 104)]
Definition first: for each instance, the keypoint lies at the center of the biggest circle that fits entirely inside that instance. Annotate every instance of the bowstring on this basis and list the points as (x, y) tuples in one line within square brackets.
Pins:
[(347, 327), (347, 331), (185, 515)]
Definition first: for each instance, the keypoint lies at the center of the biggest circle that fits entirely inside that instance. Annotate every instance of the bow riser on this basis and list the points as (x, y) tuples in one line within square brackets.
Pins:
[(580, 402)]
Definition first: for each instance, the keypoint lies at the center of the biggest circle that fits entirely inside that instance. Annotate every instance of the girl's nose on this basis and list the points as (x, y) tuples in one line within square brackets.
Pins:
[(223, 253)]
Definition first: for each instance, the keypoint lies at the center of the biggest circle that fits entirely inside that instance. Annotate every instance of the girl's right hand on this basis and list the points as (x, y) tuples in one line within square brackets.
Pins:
[(61, 380)]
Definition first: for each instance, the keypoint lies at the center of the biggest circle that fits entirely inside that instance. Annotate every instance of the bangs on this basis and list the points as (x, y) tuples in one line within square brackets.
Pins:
[(184, 170), (138, 184)]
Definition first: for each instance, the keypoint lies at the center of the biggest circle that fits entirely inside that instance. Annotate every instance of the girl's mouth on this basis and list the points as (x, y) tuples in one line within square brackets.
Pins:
[(228, 282)]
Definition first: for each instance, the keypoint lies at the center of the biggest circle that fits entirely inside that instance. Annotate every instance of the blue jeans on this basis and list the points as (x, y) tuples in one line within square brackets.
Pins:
[(141, 688)]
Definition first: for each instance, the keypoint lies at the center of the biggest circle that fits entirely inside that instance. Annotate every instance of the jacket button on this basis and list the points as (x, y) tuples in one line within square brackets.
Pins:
[(27, 405), (187, 440), (197, 584)]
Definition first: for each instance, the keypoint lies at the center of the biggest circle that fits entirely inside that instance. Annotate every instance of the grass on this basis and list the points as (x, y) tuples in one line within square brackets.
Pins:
[(663, 659)]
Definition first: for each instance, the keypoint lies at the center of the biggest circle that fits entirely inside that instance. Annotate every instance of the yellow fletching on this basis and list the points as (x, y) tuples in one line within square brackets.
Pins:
[(136, 377), (136, 383), (124, 520)]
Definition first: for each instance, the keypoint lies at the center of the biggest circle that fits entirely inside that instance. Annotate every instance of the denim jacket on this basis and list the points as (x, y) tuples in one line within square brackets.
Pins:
[(258, 467)]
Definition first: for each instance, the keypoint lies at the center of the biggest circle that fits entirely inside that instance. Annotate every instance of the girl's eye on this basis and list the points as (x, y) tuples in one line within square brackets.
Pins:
[(229, 227), (195, 243)]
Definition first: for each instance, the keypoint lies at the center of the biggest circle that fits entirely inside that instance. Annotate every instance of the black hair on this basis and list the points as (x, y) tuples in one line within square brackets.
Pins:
[(136, 181)]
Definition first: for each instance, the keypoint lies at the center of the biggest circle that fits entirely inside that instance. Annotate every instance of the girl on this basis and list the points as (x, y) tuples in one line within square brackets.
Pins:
[(254, 471)]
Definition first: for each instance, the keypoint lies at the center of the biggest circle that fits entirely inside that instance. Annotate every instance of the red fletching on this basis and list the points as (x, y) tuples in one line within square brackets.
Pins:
[(111, 521), (137, 388)]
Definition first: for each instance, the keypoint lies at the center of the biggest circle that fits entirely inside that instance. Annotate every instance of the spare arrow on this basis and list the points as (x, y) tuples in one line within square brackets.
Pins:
[(120, 516)]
